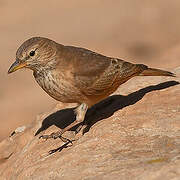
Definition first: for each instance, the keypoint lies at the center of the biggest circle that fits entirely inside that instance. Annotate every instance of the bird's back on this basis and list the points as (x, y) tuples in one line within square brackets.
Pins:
[(94, 75)]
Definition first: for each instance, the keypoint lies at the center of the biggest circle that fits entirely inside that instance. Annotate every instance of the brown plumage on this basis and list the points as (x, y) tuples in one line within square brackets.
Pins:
[(76, 75)]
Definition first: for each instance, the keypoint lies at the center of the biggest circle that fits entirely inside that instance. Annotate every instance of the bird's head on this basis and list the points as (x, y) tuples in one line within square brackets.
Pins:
[(34, 54)]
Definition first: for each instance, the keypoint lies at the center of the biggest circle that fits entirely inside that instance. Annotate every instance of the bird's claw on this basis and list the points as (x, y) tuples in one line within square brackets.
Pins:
[(56, 135), (53, 135), (45, 137)]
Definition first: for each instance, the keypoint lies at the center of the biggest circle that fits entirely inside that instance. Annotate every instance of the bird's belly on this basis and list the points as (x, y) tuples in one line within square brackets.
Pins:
[(61, 90)]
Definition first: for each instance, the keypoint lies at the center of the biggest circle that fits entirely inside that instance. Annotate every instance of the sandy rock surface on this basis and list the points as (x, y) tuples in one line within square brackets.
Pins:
[(135, 135)]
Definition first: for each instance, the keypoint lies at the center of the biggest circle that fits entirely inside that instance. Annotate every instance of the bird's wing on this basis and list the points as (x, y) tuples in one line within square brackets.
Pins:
[(89, 68), (95, 74)]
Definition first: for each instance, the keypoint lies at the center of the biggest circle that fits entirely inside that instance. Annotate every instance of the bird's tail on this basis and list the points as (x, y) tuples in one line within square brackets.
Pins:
[(156, 72)]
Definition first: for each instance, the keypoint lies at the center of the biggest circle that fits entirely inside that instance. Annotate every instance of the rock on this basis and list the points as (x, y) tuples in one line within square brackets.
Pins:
[(135, 135)]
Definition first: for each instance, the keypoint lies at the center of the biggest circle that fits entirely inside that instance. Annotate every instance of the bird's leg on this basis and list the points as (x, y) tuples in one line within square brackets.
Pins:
[(80, 114)]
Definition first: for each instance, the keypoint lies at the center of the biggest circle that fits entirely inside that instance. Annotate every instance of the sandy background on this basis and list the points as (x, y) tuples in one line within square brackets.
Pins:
[(138, 31)]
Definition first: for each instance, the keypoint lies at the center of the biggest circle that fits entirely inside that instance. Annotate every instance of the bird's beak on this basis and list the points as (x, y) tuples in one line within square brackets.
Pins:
[(16, 65)]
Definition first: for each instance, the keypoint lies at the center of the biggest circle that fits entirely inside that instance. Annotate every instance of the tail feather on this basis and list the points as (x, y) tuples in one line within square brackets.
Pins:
[(156, 72)]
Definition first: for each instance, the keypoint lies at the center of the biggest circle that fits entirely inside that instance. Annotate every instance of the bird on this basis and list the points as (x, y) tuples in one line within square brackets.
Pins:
[(76, 75)]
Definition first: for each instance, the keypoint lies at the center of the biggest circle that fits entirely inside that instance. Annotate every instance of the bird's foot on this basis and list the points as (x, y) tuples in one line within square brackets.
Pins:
[(78, 129), (53, 135), (79, 132), (56, 135)]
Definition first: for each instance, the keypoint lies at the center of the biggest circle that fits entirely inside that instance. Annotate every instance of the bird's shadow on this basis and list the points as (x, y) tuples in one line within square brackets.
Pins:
[(102, 110)]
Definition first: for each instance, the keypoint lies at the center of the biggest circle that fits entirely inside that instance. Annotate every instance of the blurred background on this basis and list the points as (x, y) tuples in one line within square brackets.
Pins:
[(140, 31)]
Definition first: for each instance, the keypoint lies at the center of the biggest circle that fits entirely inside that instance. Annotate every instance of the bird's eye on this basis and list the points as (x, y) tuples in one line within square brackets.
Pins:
[(32, 53)]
